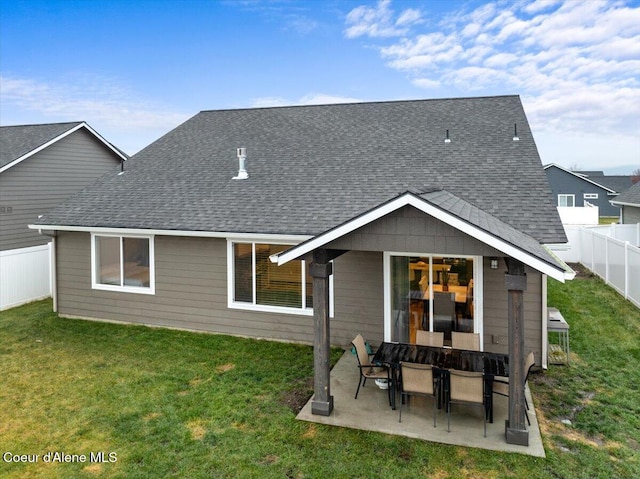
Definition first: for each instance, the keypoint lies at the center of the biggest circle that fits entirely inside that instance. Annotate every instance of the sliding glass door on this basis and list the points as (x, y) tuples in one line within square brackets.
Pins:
[(431, 293)]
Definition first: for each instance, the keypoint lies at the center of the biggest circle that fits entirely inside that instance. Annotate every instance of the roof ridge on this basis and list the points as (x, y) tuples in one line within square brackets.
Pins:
[(364, 102), (60, 123)]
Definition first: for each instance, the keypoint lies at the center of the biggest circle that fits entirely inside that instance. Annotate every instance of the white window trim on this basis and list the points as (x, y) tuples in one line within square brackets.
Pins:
[(232, 304), (151, 289), (478, 291), (563, 195), (590, 196)]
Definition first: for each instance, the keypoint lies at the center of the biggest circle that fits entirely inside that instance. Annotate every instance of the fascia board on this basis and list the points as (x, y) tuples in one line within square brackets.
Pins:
[(160, 232), (623, 203), (425, 207)]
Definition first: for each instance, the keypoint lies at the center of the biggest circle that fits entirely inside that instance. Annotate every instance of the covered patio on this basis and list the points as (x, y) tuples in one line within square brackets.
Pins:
[(371, 412)]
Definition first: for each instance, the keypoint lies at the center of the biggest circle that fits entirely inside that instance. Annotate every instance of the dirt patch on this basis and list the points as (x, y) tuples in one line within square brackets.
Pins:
[(223, 368), (296, 397), (581, 271), (311, 431), (197, 430)]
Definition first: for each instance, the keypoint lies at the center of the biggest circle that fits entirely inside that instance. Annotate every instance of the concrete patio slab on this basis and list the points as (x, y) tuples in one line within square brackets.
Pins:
[(371, 412)]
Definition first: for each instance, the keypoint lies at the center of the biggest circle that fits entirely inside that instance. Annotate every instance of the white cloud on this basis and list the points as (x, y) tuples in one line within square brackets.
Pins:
[(577, 64), (309, 99), (104, 104), (88, 99), (378, 21), (426, 83)]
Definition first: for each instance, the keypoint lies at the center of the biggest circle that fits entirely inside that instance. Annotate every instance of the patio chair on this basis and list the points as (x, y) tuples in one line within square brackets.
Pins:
[(418, 380), (430, 338), (470, 341), (501, 383), (466, 388), (369, 370)]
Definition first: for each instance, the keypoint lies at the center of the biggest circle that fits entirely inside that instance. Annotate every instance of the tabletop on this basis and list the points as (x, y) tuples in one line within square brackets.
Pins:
[(493, 364)]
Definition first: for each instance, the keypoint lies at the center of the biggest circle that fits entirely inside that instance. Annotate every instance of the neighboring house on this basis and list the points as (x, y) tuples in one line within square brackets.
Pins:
[(381, 197), (629, 204), (40, 167), (575, 188)]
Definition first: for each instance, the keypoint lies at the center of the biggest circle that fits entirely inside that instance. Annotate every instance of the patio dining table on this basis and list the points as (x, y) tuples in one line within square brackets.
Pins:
[(490, 364)]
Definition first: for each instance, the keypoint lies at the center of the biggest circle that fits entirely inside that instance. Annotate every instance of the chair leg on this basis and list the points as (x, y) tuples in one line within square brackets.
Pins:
[(401, 401), (358, 390), (435, 409)]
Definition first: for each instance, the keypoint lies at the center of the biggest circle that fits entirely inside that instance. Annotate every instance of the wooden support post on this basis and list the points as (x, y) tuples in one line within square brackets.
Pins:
[(320, 270), (516, 281)]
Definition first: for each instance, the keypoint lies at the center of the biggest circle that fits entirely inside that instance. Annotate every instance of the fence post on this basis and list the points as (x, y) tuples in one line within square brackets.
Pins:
[(626, 270), (593, 251), (606, 259)]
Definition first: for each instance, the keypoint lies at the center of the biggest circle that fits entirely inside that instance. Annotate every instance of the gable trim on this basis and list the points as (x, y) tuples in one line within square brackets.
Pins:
[(60, 137), (409, 199)]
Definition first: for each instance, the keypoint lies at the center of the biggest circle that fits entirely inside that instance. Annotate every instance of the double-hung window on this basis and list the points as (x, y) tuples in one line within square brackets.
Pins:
[(257, 283), (122, 263)]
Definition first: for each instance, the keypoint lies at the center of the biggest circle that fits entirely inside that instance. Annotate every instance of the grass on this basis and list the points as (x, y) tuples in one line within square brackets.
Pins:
[(179, 404)]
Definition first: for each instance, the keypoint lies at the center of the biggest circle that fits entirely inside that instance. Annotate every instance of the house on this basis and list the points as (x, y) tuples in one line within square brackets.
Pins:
[(41, 166), (284, 222), (576, 188), (629, 203)]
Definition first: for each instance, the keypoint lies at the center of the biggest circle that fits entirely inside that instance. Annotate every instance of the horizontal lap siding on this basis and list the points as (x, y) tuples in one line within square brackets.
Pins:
[(191, 292), (496, 311), (44, 180), (411, 230), (359, 300)]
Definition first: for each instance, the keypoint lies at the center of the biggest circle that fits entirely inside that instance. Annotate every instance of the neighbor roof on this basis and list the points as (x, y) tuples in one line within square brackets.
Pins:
[(314, 167), (597, 180), (19, 142), (631, 197)]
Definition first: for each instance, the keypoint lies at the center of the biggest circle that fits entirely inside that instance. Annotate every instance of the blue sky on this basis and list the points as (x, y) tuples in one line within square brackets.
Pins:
[(135, 70)]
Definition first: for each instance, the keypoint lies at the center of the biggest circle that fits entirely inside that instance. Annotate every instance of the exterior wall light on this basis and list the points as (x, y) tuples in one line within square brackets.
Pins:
[(494, 263)]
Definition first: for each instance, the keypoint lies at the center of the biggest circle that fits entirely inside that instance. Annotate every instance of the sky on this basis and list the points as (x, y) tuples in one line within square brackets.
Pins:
[(134, 70)]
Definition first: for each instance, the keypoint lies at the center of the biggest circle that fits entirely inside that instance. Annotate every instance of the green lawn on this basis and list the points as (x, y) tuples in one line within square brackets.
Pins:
[(177, 404)]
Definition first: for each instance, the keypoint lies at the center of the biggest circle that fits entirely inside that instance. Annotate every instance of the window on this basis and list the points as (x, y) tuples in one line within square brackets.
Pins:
[(433, 293), (257, 283), (122, 263), (566, 200), (590, 196)]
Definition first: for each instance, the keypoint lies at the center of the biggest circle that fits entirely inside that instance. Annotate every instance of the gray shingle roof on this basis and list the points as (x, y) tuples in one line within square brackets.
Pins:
[(617, 183), (630, 197), (17, 141), (475, 216), (313, 167)]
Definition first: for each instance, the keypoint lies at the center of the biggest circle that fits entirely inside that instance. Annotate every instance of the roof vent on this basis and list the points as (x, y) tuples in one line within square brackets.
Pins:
[(515, 132), (242, 156), (447, 139)]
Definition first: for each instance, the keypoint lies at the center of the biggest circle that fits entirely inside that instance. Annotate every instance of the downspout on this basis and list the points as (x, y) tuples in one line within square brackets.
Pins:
[(545, 335), (53, 278)]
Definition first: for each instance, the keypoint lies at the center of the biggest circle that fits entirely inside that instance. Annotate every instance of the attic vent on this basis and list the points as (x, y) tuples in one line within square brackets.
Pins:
[(242, 156), (515, 132), (447, 139)]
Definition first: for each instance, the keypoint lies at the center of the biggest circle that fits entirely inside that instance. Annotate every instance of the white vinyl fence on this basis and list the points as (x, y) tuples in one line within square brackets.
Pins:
[(612, 252), (25, 275)]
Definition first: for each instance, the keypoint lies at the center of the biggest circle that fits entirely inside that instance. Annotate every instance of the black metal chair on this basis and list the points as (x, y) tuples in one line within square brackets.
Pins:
[(368, 370), (418, 380)]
